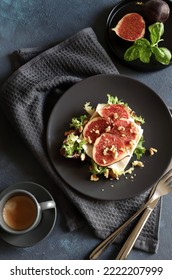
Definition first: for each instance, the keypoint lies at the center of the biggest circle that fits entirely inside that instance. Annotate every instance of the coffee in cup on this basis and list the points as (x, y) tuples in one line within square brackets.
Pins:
[(20, 212)]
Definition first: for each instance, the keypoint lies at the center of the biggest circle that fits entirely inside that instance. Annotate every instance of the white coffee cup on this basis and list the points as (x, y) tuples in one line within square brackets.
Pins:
[(20, 212)]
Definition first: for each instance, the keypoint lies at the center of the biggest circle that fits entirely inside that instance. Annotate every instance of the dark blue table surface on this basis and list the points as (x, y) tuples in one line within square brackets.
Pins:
[(42, 23)]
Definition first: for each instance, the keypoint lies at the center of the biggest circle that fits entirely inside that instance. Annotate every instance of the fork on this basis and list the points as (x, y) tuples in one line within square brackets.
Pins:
[(163, 187)]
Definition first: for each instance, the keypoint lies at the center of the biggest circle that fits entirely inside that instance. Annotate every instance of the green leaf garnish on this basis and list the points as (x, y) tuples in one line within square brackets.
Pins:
[(78, 122), (143, 49), (97, 169), (89, 109), (115, 100), (73, 145), (140, 149)]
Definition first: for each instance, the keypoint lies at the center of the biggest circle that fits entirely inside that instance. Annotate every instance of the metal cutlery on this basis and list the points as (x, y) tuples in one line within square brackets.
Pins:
[(163, 187), (129, 243)]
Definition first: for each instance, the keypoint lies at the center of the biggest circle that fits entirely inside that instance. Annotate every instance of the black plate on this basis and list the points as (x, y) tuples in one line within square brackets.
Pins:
[(157, 134), (45, 226), (119, 46)]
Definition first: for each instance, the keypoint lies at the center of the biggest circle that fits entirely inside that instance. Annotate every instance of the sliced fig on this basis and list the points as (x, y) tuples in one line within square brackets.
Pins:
[(114, 112), (94, 128), (125, 129), (108, 149), (156, 11), (130, 27)]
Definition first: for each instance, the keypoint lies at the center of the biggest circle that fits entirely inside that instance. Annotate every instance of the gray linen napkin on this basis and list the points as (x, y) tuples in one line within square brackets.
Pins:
[(27, 98)]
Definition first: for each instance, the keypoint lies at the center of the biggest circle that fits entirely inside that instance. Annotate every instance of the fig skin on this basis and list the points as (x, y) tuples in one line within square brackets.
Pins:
[(156, 11)]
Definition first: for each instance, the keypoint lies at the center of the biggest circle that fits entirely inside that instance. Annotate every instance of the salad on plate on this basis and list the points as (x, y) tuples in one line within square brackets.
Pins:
[(108, 136)]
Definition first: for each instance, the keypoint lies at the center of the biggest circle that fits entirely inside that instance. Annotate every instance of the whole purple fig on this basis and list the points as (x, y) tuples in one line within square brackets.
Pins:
[(156, 11)]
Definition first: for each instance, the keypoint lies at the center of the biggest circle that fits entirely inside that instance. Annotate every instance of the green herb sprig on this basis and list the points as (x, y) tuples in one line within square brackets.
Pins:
[(140, 149), (77, 122), (143, 49)]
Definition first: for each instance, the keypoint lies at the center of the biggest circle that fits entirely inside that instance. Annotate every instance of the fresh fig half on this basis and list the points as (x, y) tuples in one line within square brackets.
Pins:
[(114, 112), (125, 129), (108, 149), (94, 128), (130, 27), (156, 11)]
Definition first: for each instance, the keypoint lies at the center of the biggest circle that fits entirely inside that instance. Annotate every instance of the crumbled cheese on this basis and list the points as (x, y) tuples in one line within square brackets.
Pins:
[(82, 157)]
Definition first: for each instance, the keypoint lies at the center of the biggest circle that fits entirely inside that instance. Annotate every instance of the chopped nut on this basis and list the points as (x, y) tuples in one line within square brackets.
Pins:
[(137, 163), (113, 175), (130, 170), (113, 149), (121, 128), (97, 131), (115, 154), (108, 128), (115, 115), (105, 151), (69, 132), (152, 151), (80, 129), (132, 143), (94, 178), (89, 140)]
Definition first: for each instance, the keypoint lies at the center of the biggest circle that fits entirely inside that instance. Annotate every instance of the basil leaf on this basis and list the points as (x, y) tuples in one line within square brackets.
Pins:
[(145, 54), (162, 55), (143, 42), (156, 31), (143, 48), (132, 53)]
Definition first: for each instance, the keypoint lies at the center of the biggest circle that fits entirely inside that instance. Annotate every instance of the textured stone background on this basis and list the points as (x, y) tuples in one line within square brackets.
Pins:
[(39, 23)]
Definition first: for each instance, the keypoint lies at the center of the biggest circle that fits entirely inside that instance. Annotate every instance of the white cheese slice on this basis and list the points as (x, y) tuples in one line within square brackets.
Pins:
[(99, 106)]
